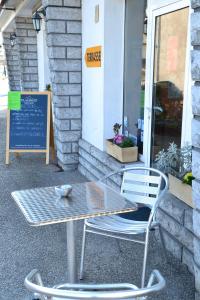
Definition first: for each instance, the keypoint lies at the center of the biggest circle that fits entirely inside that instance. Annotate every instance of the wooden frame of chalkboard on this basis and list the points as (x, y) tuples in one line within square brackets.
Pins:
[(47, 131)]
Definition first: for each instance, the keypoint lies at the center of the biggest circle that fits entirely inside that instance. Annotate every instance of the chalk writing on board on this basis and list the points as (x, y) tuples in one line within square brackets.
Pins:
[(28, 126)]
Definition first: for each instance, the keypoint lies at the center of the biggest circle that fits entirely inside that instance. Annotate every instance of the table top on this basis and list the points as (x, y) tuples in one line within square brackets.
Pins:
[(41, 206)]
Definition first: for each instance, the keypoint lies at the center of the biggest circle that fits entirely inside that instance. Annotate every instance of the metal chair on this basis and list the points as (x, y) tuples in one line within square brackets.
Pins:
[(146, 189), (33, 283)]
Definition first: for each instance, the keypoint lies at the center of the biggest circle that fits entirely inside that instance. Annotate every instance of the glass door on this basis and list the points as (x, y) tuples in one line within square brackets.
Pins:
[(166, 95), (168, 79)]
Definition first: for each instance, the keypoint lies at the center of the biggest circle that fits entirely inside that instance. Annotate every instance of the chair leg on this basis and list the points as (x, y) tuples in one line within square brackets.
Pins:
[(162, 240), (82, 252), (145, 258)]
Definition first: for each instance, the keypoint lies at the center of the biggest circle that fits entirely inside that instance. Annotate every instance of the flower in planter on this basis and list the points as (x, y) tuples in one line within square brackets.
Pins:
[(187, 178), (176, 161), (121, 140)]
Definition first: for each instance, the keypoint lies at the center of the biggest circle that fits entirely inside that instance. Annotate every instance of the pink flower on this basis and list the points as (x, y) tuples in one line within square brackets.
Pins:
[(118, 139)]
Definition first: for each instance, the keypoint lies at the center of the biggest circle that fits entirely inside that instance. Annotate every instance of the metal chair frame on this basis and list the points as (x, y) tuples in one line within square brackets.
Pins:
[(33, 282), (116, 228)]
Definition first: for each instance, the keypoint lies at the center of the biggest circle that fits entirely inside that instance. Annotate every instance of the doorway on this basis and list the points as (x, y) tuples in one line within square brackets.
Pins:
[(167, 86)]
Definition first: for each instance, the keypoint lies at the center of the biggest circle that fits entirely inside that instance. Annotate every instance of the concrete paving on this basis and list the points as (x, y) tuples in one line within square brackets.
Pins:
[(23, 248)]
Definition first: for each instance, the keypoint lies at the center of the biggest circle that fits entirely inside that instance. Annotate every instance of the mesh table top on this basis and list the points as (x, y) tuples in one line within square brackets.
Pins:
[(41, 206)]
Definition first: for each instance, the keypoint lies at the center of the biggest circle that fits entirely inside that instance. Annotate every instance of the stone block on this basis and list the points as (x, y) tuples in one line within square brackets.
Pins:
[(32, 48), (196, 163), (196, 133), (56, 52), (75, 77), (195, 64), (68, 136), (74, 27), (28, 70), (62, 124), (174, 207), (24, 63), (85, 145), (67, 113), (32, 32), (51, 2), (85, 172), (55, 26), (75, 147), (195, 3), (30, 85), (188, 219), (73, 3), (65, 40), (90, 168), (27, 40), (196, 222), (75, 101), (22, 26), (188, 260), (63, 13), (21, 32), (197, 295), (28, 55), (196, 193), (64, 147), (33, 63), (61, 101), (196, 242), (181, 234), (66, 89), (195, 21), (196, 100), (75, 124), (59, 77), (32, 77), (74, 53), (172, 245), (67, 159), (65, 65)]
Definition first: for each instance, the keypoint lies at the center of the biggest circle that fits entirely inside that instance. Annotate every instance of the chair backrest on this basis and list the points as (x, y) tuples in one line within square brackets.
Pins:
[(33, 283), (143, 188)]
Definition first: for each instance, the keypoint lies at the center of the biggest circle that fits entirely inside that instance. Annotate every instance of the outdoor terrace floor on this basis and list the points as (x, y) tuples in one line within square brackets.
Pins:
[(23, 248)]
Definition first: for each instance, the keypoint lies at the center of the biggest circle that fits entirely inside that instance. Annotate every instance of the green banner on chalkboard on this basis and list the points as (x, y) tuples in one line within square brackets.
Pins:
[(14, 100)]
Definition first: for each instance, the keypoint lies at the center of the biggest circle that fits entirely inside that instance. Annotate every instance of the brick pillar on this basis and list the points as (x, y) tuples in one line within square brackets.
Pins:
[(195, 65), (13, 63), (27, 43), (63, 25)]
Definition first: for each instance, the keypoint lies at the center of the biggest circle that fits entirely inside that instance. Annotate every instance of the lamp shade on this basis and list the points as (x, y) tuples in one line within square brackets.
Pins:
[(37, 21)]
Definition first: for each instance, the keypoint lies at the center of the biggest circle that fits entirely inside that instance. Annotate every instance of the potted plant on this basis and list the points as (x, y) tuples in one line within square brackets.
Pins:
[(177, 163), (121, 147)]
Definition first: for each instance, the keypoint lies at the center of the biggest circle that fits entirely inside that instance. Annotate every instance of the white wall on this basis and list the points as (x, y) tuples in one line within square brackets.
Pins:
[(113, 64), (102, 87), (43, 65), (92, 78)]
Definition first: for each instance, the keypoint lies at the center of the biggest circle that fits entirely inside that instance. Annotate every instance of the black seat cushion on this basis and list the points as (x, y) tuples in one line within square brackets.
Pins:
[(142, 214)]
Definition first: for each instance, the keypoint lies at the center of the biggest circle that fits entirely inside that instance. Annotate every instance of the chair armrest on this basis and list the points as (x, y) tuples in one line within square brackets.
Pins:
[(158, 278)]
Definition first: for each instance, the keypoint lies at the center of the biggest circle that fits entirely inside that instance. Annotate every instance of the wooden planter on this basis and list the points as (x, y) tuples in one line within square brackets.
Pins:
[(180, 190), (124, 155)]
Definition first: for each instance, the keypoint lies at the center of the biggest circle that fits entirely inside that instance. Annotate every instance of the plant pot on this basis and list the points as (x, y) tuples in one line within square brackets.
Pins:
[(124, 155), (180, 190)]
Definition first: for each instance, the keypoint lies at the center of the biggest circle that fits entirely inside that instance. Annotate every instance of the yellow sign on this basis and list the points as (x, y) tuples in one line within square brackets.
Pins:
[(93, 57)]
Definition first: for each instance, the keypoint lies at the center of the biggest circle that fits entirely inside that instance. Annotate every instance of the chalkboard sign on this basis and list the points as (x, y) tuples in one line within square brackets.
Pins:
[(28, 127)]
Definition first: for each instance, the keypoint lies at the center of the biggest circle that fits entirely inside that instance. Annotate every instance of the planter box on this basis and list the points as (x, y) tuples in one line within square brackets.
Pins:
[(124, 155), (180, 190)]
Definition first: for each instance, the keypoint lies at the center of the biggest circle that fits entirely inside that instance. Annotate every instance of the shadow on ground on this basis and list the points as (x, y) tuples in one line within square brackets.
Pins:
[(23, 248)]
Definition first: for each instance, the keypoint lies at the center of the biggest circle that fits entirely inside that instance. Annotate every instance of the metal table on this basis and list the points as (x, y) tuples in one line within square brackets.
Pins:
[(41, 206)]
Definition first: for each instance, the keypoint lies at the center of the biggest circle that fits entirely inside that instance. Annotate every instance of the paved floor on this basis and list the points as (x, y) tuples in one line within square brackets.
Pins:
[(23, 248)]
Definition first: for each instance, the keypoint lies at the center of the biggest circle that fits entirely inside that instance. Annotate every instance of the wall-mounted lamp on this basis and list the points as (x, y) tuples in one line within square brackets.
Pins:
[(13, 39), (37, 17)]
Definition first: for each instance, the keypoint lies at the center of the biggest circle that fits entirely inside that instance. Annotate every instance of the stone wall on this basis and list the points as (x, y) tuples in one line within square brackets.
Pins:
[(63, 25), (195, 65), (21, 59), (27, 43), (13, 63)]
